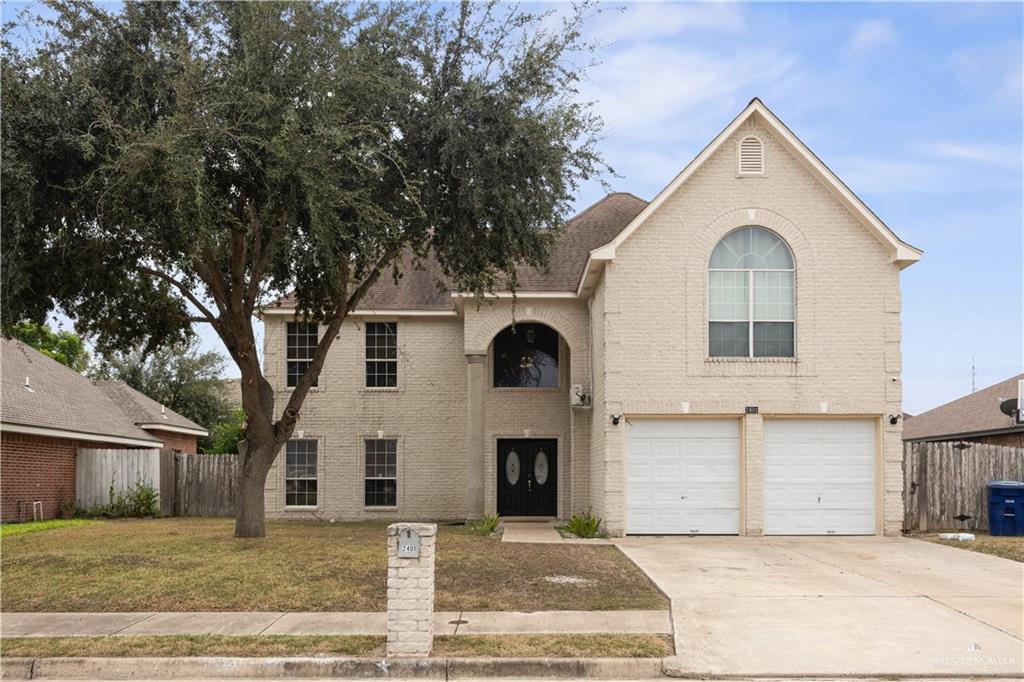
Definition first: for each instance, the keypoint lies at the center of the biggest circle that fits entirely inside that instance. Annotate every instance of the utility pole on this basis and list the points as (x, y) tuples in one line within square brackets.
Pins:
[(974, 375)]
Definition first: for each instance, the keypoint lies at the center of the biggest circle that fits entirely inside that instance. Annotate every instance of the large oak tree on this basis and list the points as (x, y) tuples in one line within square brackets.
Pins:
[(171, 164)]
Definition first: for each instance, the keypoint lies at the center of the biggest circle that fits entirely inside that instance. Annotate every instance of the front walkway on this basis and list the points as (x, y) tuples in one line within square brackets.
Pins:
[(542, 532), (836, 606), (350, 623)]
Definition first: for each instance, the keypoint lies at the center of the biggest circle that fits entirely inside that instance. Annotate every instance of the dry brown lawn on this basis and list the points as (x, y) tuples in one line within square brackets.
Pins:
[(196, 565), (1006, 546), (519, 646)]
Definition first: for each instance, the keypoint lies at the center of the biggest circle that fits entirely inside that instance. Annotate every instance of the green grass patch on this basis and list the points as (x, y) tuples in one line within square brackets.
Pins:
[(369, 646), (195, 564), (9, 529)]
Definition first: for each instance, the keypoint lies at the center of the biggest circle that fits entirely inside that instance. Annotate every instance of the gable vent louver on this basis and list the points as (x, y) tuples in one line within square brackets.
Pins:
[(751, 156)]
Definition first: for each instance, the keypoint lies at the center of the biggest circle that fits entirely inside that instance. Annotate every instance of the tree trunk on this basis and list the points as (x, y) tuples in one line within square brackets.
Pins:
[(250, 521)]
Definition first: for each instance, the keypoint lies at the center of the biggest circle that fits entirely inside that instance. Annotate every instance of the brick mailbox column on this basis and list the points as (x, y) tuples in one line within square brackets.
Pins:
[(411, 549)]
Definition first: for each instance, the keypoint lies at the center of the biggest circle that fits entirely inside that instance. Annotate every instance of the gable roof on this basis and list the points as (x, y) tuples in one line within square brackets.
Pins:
[(145, 412), (902, 253), (975, 413), (418, 290), (60, 401)]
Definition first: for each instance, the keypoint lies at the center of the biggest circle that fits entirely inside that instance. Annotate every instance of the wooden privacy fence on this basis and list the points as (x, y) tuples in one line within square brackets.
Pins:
[(189, 484), (99, 470), (945, 483), (201, 485)]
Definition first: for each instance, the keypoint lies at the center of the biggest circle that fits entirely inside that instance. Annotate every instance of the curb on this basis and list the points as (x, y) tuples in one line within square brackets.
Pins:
[(325, 667)]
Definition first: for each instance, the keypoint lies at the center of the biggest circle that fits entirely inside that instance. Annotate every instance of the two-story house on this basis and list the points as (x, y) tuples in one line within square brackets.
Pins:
[(723, 359)]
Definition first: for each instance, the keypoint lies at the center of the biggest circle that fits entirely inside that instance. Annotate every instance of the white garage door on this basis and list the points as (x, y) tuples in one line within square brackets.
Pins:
[(819, 477), (683, 477)]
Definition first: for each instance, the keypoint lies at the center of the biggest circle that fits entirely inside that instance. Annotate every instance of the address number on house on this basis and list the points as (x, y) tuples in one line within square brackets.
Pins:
[(408, 544)]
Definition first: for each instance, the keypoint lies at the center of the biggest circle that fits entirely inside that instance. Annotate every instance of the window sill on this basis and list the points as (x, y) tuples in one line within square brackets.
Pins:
[(300, 509), (381, 389), (787, 361), (381, 509)]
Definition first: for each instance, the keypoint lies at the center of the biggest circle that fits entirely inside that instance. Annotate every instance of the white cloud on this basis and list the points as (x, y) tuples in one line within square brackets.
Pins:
[(660, 89), (994, 154), (871, 35), (645, 21)]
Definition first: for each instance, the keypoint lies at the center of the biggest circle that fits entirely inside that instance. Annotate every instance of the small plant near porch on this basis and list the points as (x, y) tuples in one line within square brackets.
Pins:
[(584, 526)]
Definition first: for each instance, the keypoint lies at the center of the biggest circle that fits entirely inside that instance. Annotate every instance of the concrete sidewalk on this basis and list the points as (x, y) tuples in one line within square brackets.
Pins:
[(328, 623), (542, 532)]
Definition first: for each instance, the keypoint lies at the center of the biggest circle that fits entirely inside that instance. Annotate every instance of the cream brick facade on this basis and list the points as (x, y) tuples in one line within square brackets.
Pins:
[(636, 340)]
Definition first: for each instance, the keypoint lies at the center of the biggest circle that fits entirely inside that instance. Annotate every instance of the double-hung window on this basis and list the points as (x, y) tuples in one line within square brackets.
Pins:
[(381, 354), (751, 296), (300, 478), (302, 339), (381, 472)]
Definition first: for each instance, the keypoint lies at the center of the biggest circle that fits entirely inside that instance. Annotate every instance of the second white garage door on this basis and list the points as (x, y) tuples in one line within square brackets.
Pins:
[(819, 477), (683, 477)]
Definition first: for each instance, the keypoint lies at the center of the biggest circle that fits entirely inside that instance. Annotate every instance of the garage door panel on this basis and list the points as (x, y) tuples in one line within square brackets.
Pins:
[(819, 477), (683, 477)]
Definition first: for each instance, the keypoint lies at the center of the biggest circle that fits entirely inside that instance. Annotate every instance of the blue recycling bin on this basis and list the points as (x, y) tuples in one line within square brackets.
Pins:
[(1005, 508)]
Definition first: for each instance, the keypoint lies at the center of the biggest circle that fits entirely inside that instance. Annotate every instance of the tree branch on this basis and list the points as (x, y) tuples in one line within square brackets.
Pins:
[(207, 316)]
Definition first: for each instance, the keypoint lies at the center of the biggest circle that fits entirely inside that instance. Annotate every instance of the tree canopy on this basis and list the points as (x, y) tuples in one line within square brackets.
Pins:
[(63, 346), (175, 163)]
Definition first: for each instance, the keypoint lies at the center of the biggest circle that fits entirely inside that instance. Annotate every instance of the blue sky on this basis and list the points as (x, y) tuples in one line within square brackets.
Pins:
[(916, 106)]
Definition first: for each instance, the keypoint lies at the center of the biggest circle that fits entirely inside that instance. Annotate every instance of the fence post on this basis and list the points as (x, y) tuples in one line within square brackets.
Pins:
[(922, 488), (411, 588)]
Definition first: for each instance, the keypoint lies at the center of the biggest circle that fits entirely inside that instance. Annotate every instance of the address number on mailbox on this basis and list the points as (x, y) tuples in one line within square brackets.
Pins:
[(408, 544)]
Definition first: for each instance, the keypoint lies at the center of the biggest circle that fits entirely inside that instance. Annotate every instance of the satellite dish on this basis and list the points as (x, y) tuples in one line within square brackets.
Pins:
[(1008, 407)]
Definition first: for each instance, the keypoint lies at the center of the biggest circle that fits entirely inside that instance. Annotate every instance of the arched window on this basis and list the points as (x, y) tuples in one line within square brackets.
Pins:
[(751, 297), (526, 356)]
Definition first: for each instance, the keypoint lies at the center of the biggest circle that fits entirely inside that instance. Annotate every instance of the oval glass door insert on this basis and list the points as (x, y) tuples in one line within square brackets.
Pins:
[(512, 467), (540, 468)]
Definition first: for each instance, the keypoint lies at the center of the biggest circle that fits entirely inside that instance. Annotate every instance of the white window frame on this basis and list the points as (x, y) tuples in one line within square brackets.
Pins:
[(366, 478), (316, 385), (319, 492), (366, 358)]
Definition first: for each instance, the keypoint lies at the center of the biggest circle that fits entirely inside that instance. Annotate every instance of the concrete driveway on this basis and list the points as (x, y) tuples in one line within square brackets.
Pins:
[(836, 606)]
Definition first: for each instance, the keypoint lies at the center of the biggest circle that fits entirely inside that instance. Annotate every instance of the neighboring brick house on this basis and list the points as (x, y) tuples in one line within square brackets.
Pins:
[(48, 411), (974, 418), (724, 359)]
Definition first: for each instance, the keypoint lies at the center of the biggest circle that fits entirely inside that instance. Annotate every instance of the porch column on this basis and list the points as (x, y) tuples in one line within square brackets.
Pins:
[(476, 376)]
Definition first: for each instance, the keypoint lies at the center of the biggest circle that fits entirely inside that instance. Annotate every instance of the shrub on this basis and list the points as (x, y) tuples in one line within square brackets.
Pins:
[(139, 501), (585, 525), (487, 525)]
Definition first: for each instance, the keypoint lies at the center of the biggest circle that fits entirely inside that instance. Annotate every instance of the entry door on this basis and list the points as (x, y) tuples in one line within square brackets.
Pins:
[(527, 477), (684, 477), (819, 477)]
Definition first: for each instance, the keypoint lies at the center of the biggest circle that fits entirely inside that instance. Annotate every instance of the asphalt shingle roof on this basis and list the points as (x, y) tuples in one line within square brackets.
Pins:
[(418, 289), (142, 409), (60, 397), (974, 413)]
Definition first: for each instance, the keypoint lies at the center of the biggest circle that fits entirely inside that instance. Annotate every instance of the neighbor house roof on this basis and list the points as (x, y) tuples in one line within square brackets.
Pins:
[(418, 289), (972, 415), (43, 397), (147, 413)]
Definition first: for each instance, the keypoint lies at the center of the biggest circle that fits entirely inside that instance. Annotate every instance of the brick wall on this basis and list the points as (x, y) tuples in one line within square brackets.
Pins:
[(847, 317), (37, 468), (182, 442)]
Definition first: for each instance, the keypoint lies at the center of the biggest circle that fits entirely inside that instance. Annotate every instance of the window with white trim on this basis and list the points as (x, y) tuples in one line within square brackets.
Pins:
[(751, 156), (300, 478), (381, 354), (751, 296), (301, 343), (381, 478)]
